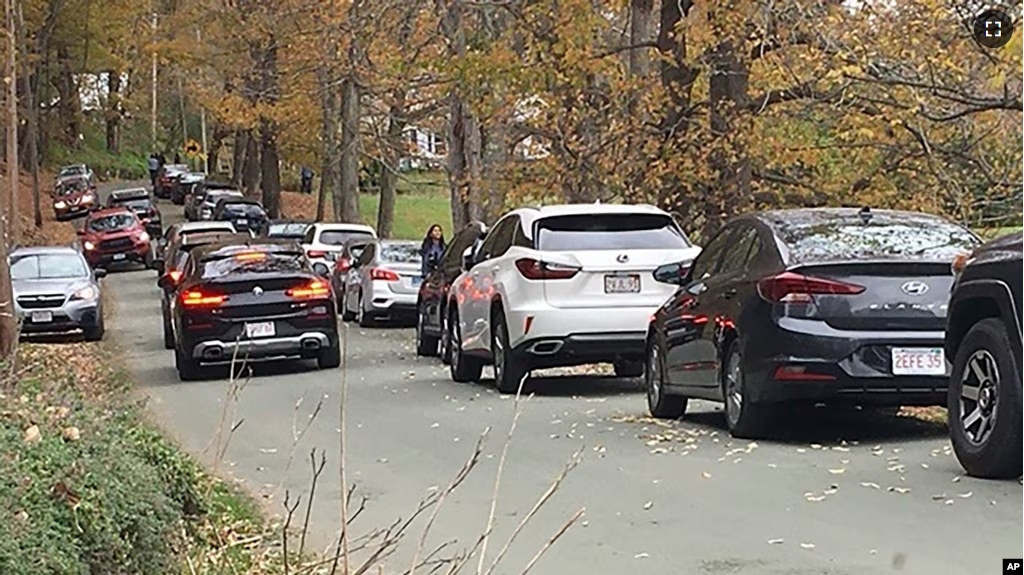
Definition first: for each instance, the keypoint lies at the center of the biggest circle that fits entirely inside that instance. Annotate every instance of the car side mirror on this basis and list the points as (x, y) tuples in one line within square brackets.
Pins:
[(99, 273), (670, 273), (467, 259), (321, 269), (164, 282)]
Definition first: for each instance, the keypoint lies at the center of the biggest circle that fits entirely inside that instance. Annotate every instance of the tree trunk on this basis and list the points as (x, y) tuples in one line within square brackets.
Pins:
[(69, 106), (677, 79), (346, 205), (113, 110), (640, 12), (496, 153), (270, 172), (251, 170), (238, 153), (329, 138), (393, 149)]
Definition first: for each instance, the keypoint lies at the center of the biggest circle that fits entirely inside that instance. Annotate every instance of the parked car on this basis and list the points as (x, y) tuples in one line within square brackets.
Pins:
[(174, 234), (139, 201), (286, 230), (433, 295), (55, 291), (807, 306), (73, 197), (343, 263), (383, 282), (261, 299), (177, 255), (195, 198), (560, 286), (167, 178), (185, 185), (210, 199), (983, 338), (246, 214), (323, 241), (115, 235), (75, 171)]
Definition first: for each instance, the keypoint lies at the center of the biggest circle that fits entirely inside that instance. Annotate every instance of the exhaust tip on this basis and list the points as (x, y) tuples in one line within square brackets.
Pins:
[(545, 347), (214, 353), (310, 343)]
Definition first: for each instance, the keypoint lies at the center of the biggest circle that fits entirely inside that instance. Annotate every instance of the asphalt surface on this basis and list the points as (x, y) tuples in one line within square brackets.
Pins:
[(838, 493)]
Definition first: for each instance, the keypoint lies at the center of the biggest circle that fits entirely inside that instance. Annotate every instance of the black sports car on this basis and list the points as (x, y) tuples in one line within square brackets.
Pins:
[(808, 305)]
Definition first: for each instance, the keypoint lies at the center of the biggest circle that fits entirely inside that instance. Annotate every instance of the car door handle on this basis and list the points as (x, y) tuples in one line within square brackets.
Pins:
[(496, 269), (729, 293)]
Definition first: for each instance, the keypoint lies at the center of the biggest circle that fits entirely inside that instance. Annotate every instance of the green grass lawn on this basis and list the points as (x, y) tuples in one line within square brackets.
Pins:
[(422, 202)]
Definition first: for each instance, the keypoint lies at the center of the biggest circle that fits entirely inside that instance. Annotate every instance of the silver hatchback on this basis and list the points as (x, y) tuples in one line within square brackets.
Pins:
[(383, 282), (55, 291)]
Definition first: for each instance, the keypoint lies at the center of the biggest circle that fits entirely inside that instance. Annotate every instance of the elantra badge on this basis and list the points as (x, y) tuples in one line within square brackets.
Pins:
[(914, 287)]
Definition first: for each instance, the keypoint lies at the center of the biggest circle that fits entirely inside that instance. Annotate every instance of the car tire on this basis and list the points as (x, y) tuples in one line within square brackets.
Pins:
[(509, 370), (426, 344), (364, 317), (463, 368), (95, 332), (346, 315), (330, 356), (745, 419), (660, 404), (188, 367), (625, 368), (985, 359), (168, 329)]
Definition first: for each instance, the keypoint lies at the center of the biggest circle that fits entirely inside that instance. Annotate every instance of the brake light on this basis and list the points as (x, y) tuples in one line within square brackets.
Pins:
[(316, 254), (790, 287), (315, 289), (196, 298), (532, 269), (383, 274), (800, 373), (251, 257)]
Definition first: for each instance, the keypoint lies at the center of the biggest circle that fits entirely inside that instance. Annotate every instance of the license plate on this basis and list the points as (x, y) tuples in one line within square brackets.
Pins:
[(622, 284), (42, 316), (119, 257), (918, 361), (262, 329), (416, 280), (242, 222)]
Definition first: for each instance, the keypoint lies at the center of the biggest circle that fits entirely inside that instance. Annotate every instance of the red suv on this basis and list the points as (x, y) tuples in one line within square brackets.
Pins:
[(115, 235), (73, 197)]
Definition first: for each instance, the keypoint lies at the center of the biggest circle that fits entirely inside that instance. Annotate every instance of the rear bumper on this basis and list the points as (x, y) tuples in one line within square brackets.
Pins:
[(543, 322), (304, 344), (385, 301), (840, 366), (581, 348)]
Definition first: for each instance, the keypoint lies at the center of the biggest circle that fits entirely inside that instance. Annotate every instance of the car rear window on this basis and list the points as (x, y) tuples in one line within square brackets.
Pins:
[(287, 230), (138, 205), (48, 266), (112, 223), (400, 253), (240, 209), (338, 237), (253, 263), (883, 238), (609, 232)]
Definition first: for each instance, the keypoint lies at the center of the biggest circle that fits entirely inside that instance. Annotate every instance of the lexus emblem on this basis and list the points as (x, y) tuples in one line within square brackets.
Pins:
[(257, 291), (914, 287), (623, 258)]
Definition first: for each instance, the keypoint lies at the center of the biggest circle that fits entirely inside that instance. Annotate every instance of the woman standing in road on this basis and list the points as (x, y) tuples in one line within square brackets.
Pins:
[(432, 248)]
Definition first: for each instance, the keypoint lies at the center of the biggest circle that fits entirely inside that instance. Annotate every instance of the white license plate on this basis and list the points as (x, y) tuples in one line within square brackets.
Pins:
[(119, 257), (918, 361), (261, 329), (243, 222), (622, 284), (42, 316)]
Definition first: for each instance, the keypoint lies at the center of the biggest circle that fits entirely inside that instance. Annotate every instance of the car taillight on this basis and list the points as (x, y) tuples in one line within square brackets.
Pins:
[(316, 254), (197, 299), (342, 265), (383, 274), (315, 289), (790, 287), (532, 269)]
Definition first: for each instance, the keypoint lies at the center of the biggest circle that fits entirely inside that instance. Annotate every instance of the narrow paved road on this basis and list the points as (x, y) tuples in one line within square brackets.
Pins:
[(840, 494)]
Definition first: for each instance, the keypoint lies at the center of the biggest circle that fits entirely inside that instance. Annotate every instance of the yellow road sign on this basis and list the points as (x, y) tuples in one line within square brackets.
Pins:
[(192, 148)]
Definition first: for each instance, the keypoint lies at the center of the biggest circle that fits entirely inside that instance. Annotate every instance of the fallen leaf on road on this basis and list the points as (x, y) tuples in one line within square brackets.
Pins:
[(641, 556), (830, 491), (706, 475), (965, 495), (837, 471), (648, 505), (382, 460), (870, 484), (815, 446), (433, 425), (924, 466), (948, 502), (268, 450), (585, 523), (900, 490), (938, 497), (801, 450), (772, 466), (873, 552), (807, 545), (844, 449), (776, 541), (956, 479), (815, 499)]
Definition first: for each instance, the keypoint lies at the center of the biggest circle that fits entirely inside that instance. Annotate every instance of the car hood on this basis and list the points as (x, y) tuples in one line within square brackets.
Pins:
[(48, 286), (97, 236)]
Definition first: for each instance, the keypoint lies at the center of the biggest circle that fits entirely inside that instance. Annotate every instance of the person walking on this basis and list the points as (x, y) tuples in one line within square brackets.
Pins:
[(177, 158), (154, 168), (431, 249), (306, 175)]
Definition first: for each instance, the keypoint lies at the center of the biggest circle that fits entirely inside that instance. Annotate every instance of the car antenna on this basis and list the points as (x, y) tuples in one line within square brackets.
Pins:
[(865, 215)]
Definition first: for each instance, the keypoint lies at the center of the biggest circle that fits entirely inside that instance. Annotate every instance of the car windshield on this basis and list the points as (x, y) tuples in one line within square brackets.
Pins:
[(214, 197), (112, 223), (339, 237), (48, 266), (243, 210), (884, 237), (72, 171), (72, 188), (609, 232), (255, 262), (139, 205), (400, 253), (287, 230)]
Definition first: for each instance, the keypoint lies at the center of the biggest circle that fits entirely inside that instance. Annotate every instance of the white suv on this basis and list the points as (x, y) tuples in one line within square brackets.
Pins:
[(560, 286), (324, 241)]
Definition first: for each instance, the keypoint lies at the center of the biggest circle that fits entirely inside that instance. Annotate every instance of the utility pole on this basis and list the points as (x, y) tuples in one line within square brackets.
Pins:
[(8, 321), (202, 121), (12, 125), (152, 111)]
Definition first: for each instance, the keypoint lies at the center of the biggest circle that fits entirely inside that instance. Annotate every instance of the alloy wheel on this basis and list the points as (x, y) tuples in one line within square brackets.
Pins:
[(455, 338), (498, 352), (359, 308), (653, 376), (733, 389), (979, 392)]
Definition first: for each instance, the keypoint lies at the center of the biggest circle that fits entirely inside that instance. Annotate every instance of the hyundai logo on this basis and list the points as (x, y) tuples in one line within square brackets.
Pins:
[(623, 258), (914, 287), (257, 291)]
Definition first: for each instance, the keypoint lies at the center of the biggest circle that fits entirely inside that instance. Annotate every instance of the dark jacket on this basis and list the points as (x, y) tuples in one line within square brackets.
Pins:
[(431, 252)]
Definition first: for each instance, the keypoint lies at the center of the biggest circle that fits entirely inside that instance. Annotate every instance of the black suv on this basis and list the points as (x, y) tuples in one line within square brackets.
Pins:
[(983, 340)]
